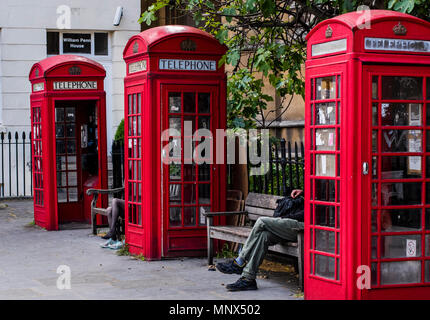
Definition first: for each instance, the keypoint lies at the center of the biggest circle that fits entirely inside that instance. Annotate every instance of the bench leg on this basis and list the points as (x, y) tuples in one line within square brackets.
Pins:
[(210, 241), (300, 259), (94, 223)]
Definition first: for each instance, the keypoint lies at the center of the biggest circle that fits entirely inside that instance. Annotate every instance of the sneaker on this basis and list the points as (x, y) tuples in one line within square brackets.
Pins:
[(242, 284), (229, 267), (107, 243), (115, 245)]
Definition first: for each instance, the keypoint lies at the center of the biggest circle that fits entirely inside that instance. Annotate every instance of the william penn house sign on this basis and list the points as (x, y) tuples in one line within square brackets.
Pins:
[(75, 85)]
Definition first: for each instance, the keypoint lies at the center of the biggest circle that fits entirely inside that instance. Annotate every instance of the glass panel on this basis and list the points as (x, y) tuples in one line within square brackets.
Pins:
[(339, 86), (189, 102), (101, 43), (62, 195), (427, 245), (324, 266), (189, 193), (374, 274), (204, 102), (61, 163), (325, 139), (175, 218), (204, 123), (401, 246), (427, 268), (401, 88), (72, 178), (400, 272), (70, 114), (175, 123), (59, 114), (375, 141), (71, 146), (400, 220), (374, 247), (427, 227), (401, 141), (204, 172), (189, 125), (202, 218), (71, 162), (428, 106), (375, 87), (401, 167), (59, 131), (325, 88), (374, 194), (374, 167), (324, 240), (374, 114), (325, 165), (401, 193), (401, 114), (175, 150), (174, 102), (325, 190), (204, 193), (189, 216), (61, 179), (175, 193), (374, 221), (325, 216), (60, 147), (325, 113), (175, 172), (70, 130), (189, 172), (73, 194)]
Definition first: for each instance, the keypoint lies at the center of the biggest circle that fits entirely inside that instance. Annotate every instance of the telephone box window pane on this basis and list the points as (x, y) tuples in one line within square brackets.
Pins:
[(374, 274), (71, 146), (325, 165), (325, 113), (72, 179), (73, 194), (59, 131), (374, 194), (176, 124), (175, 104), (324, 266), (204, 193), (400, 272), (428, 88), (204, 123), (325, 190), (374, 114), (374, 167), (401, 88), (189, 193), (70, 114), (175, 172), (175, 148), (202, 218), (71, 162), (401, 141), (175, 217), (204, 101), (401, 193), (189, 102), (325, 216), (61, 149), (101, 43), (401, 167), (325, 139), (325, 88), (374, 141), (61, 179), (52, 42), (189, 172), (427, 271), (189, 216), (400, 220), (175, 193), (339, 86), (204, 172), (324, 240), (61, 195), (70, 131), (401, 114), (374, 220), (189, 125), (374, 87)]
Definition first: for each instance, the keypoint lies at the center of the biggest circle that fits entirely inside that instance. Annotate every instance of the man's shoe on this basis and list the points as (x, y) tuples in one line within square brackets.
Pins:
[(229, 267), (116, 245), (107, 236), (107, 243), (242, 284)]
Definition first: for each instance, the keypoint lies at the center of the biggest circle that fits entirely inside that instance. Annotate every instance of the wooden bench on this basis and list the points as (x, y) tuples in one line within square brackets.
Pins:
[(103, 211), (256, 205)]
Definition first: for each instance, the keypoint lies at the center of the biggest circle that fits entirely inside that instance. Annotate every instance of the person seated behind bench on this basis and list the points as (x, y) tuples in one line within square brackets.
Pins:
[(267, 231), (113, 213)]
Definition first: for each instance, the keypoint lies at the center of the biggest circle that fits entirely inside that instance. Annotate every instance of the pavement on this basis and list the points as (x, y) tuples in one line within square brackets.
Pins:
[(30, 257)]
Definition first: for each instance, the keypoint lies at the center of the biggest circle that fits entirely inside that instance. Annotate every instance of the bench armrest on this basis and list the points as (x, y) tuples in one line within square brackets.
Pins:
[(223, 213), (104, 191)]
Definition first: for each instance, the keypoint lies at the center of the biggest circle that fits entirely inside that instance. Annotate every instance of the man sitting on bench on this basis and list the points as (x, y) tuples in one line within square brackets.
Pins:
[(266, 231)]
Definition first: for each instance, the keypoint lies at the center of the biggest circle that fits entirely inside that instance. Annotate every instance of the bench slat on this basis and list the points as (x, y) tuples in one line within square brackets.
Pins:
[(267, 201), (254, 212)]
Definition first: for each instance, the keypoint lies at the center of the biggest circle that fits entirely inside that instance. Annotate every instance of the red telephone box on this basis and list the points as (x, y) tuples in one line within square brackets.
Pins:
[(173, 82), (367, 216), (68, 120)]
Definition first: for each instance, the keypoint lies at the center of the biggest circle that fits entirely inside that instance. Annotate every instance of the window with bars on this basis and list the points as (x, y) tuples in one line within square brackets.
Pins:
[(37, 156), (325, 153), (400, 184), (134, 158)]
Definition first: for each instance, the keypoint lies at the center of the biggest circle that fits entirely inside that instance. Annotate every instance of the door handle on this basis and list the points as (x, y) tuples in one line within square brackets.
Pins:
[(365, 168)]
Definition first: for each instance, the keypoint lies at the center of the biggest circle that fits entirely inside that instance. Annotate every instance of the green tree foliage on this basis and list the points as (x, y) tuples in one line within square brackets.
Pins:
[(266, 41), (119, 134)]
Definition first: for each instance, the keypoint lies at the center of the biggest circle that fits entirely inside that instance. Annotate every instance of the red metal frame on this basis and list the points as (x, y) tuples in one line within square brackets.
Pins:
[(356, 66), (44, 98), (154, 238)]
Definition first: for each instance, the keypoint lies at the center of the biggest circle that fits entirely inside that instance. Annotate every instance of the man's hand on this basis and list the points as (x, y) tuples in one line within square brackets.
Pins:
[(296, 192)]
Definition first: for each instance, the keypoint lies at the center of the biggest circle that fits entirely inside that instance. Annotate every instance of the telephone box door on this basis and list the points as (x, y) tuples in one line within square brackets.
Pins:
[(396, 187), (190, 182)]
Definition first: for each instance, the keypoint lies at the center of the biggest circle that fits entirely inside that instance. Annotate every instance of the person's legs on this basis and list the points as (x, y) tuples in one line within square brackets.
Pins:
[(117, 210), (109, 217)]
